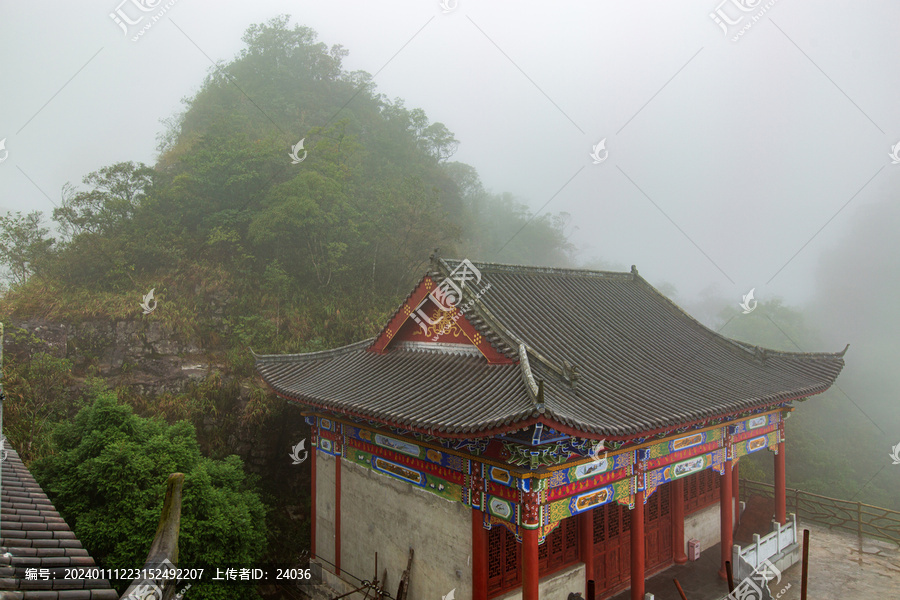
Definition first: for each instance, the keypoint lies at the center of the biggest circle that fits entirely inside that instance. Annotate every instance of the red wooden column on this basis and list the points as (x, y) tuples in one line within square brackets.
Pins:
[(637, 547), (780, 489), (337, 514), (531, 524), (530, 574), (726, 500), (677, 499), (313, 450), (735, 483), (586, 541), (479, 556)]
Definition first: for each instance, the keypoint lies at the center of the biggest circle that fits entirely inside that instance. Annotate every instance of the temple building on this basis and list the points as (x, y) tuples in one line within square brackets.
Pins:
[(528, 429)]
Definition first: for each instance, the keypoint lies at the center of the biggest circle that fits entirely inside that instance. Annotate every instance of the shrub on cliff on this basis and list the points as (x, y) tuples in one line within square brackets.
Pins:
[(108, 480)]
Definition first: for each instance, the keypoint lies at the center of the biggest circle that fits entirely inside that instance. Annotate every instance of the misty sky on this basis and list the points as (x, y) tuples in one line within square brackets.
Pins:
[(724, 159)]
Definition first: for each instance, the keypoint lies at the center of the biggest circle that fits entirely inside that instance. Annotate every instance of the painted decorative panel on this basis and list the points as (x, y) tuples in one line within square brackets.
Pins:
[(682, 469), (399, 445), (566, 507), (594, 471), (756, 422), (756, 444), (500, 508), (427, 481)]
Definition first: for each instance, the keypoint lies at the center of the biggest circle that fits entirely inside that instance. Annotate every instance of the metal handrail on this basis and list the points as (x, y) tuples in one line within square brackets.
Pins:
[(858, 517)]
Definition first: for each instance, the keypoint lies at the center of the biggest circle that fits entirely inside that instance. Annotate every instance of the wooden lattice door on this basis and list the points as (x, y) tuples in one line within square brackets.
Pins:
[(503, 561), (658, 528), (612, 546)]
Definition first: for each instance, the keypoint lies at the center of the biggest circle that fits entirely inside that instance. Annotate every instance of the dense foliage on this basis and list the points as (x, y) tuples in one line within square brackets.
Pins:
[(243, 249), (38, 396), (108, 480), (226, 218)]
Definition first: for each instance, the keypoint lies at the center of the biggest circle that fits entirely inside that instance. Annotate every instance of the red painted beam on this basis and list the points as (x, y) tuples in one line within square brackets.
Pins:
[(479, 556), (677, 499), (637, 547), (530, 574), (726, 500)]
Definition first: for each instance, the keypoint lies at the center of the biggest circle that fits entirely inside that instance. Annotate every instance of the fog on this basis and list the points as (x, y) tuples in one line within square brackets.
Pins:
[(732, 164), (735, 160), (721, 146)]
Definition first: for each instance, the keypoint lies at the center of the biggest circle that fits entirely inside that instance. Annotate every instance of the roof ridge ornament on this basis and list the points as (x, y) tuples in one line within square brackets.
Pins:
[(634, 271), (570, 371), (527, 375)]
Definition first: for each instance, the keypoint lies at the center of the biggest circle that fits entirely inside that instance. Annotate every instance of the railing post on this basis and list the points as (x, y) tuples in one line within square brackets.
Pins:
[(794, 521), (859, 518), (756, 551)]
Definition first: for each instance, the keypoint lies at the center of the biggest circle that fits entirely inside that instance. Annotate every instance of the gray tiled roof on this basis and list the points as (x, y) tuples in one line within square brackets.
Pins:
[(616, 358), (35, 536)]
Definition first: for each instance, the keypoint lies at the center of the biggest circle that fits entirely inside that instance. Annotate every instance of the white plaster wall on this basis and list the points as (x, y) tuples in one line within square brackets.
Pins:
[(384, 515), (325, 506), (703, 525), (557, 586)]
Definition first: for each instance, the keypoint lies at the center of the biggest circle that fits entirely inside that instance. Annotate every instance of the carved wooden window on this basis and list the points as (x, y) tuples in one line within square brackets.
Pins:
[(503, 561), (599, 517), (612, 521), (665, 504), (701, 490), (560, 549)]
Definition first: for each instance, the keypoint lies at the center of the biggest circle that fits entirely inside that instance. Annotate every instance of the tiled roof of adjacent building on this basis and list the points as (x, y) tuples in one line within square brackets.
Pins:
[(33, 535), (601, 353)]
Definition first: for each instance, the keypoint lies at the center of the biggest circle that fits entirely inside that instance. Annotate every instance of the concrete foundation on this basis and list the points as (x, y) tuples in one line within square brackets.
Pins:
[(556, 585)]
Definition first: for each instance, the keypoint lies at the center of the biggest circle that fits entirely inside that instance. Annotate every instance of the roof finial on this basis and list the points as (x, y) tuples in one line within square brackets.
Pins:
[(434, 256), (634, 270), (570, 371)]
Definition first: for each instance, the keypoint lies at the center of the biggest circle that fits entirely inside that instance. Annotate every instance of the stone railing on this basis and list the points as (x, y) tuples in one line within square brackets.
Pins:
[(781, 538), (862, 519)]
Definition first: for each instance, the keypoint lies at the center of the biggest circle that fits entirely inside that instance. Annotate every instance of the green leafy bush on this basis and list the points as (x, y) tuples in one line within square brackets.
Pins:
[(108, 480)]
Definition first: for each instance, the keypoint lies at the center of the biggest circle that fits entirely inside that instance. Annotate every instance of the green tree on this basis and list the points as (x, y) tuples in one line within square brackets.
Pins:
[(108, 480), (37, 397), (24, 245), (115, 194)]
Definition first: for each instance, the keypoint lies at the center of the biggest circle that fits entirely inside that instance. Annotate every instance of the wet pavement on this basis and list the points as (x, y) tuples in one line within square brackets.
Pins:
[(841, 567)]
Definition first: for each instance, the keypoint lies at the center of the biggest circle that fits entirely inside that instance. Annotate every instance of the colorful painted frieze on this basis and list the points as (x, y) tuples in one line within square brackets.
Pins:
[(684, 453), (600, 470), (426, 481), (680, 469), (501, 508), (618, 491), (684, 443), (756, 423), (755, 444)]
